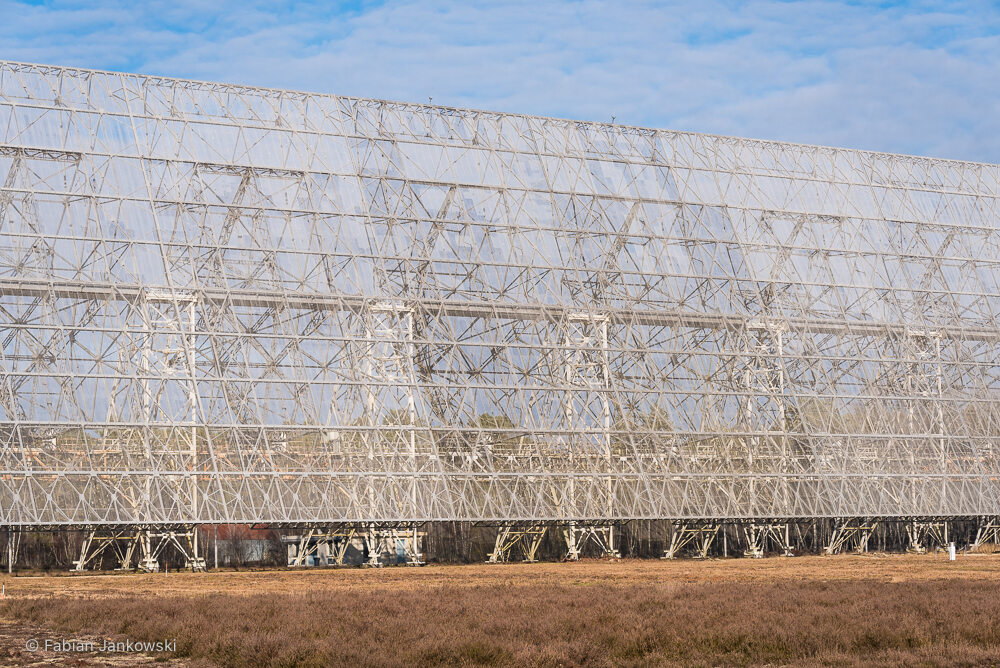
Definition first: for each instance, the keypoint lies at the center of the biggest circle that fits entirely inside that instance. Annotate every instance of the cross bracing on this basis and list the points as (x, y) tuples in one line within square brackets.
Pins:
[(231, 304)]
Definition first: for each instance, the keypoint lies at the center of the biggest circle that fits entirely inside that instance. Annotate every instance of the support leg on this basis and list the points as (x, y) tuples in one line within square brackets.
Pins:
[(700, 534), (601, 536), (373, 544), (925, 535), (758, 537), (755, 541), (80, 564), (394, 541), (852, 531), (513, 541), (147, 560), (988, 532)]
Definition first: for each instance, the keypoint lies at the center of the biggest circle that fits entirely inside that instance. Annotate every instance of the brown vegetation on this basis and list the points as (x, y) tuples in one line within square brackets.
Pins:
[(889, 610)]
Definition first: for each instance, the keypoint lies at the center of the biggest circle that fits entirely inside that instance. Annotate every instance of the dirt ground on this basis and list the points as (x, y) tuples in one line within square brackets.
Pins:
[(15, 636), (494, 614), (872, 566)]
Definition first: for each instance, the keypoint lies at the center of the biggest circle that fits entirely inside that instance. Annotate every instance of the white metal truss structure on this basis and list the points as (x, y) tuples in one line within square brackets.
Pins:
[(699, 535), (146, 545), (513, 542), (222, 304), (760, 536)]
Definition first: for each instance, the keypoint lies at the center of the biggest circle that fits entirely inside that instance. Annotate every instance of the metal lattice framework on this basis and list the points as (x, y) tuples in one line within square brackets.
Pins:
[(231, 304)]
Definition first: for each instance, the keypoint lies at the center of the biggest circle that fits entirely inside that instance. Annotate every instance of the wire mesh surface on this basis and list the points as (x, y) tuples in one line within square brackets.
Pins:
[(222, 303)]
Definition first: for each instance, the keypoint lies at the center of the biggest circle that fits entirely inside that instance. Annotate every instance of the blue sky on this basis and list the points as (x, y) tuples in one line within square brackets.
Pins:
[(909, 77)]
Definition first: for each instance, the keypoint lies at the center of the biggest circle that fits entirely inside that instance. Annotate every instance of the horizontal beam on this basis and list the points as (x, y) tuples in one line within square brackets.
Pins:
[(340, 523), (682, 318)]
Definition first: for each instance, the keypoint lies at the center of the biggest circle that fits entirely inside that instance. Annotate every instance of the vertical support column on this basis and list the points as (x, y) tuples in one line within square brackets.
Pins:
[(415, 555), (193, 558), (572, 549), (913, 533), (147, 561), (588, 372), (144, 503), (605, 376), (761, 351), (373, 546), (189, 354), (13, 537), (177, 325), (389, 361), (88, 539), (924, 379)]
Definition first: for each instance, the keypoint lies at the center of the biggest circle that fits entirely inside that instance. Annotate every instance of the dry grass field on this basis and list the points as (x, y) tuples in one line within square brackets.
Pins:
[(893, 610)]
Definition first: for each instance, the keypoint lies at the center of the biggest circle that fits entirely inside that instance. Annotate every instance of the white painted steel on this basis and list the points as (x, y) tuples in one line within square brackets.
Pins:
[(230, 304)]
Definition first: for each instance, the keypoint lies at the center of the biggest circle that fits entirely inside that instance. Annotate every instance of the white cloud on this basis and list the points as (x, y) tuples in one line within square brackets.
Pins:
[(907, 77)]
